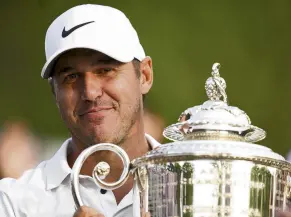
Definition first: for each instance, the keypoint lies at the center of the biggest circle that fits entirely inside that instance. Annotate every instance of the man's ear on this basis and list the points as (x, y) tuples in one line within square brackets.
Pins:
[(146, 75), (51, 83), (52, 87)]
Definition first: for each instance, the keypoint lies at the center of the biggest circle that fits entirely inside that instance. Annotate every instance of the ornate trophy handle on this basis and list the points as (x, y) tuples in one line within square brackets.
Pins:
[(100, 171)]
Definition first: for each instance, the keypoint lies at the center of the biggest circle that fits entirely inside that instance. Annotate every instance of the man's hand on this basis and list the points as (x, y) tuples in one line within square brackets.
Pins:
[(85, 211), (283, 214)]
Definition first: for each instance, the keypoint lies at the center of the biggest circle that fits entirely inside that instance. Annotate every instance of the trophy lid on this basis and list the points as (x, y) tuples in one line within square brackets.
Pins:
[(214, 119), (213, 130)]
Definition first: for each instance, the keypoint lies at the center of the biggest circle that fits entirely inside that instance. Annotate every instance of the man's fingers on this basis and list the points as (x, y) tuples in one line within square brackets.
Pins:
[(147, 214), (283, 214), (85, 211)]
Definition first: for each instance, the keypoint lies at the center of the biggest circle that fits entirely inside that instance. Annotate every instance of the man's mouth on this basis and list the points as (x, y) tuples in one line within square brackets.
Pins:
[(96, 111)]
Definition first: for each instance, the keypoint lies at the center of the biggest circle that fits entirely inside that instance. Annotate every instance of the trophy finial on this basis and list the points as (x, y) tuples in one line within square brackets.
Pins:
[(215, 69), (215, 86)]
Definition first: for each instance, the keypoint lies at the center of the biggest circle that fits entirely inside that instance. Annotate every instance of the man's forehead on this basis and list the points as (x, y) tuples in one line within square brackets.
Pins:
[(72, 58), (83, 52), (78, 56)]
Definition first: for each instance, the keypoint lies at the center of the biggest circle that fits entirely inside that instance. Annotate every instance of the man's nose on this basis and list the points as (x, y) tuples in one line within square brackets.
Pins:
[(92, 87)]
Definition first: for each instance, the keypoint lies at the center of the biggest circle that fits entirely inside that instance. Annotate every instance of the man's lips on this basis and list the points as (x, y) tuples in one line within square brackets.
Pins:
[(95, 110)]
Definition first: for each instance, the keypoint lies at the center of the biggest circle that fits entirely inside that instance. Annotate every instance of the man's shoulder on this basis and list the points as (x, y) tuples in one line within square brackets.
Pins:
[(28, 195), (31, 178)]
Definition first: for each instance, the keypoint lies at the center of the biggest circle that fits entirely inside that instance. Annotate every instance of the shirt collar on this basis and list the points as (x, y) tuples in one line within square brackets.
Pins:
[(57, 168)]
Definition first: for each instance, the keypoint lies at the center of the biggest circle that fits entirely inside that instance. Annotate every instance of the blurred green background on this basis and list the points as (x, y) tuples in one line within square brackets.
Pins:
[(251, 40)]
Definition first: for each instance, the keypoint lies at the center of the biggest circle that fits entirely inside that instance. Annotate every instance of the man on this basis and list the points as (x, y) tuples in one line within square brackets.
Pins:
[(99, 74)]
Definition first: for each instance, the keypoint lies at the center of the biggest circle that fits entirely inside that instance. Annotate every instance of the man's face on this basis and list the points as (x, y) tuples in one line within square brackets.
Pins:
[(98, 97)]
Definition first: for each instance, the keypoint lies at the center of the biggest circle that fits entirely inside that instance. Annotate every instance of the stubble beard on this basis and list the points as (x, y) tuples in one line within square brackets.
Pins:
[(118, 134)]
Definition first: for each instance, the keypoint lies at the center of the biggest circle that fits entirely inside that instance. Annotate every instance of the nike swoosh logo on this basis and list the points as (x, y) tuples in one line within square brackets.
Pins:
[(65, 32)]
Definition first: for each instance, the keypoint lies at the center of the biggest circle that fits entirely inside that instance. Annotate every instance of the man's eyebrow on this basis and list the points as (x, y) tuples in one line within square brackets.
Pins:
[(64, 69)]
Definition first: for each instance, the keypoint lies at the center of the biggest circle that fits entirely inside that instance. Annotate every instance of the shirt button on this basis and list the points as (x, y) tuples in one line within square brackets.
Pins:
[(103, 191)]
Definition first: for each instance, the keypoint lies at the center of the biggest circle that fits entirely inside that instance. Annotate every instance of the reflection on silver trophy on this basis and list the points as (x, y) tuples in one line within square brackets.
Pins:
[(212, 169)]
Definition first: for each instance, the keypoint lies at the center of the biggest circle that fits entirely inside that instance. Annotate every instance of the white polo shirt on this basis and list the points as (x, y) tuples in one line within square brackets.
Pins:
[(45, 191)]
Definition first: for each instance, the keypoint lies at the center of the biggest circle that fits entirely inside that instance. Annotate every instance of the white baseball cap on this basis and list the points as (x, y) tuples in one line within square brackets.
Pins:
[(101, 28)]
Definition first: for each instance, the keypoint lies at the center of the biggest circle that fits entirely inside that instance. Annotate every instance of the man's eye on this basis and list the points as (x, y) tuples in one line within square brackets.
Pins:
[(71, 77), (104, 71)]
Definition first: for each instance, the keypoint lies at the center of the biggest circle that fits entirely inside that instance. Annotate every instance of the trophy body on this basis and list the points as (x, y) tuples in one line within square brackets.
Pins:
[(212, 186), (211, 169)]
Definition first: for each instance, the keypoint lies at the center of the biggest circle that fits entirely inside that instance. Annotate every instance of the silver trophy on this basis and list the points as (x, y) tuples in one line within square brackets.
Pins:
[(211, 169)]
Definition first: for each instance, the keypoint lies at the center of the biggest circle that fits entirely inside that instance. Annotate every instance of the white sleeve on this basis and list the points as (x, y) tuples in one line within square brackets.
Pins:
[(6, 208)]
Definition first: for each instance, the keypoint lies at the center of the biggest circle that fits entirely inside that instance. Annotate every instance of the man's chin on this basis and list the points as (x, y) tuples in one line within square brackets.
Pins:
[(102, 138)]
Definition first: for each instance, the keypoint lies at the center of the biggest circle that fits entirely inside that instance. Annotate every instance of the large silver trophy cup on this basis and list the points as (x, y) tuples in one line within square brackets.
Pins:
[(212, 169)]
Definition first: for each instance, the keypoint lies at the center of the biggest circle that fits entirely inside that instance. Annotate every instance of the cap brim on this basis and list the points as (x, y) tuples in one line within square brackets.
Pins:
[(48, 67)]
